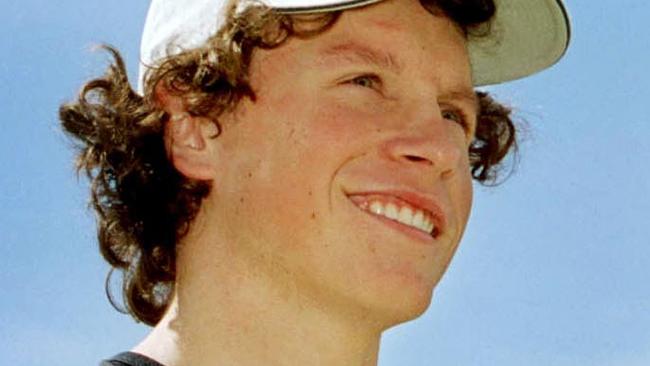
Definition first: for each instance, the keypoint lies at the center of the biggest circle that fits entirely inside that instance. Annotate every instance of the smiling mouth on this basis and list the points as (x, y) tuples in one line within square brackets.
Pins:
[(399, 211)]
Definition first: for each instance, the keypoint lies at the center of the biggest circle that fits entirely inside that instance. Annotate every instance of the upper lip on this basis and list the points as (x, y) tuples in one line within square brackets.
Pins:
[(416, 199)]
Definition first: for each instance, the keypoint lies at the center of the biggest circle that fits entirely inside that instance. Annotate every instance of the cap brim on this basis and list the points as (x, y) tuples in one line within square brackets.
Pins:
[(315, 6), (525, 37)]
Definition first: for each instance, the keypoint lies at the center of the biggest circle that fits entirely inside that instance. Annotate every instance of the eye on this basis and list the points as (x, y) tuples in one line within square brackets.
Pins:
[(456, 115), (366, 81)]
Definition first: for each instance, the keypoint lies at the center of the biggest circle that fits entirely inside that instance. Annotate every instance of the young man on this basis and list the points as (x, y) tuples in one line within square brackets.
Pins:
[(295, 177)]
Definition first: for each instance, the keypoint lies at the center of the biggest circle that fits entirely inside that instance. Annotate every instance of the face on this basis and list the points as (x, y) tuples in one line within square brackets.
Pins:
[(348, 176)]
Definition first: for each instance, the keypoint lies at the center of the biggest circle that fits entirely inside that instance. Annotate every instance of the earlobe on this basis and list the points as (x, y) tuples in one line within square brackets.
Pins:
[(187, 140)]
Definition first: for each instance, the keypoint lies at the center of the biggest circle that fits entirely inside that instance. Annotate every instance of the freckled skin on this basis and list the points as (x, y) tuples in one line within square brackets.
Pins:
[(278, 246), (317, 137)]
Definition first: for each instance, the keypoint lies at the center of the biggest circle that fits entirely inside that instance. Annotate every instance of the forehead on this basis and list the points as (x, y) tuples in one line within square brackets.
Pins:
[(403, 17), (396, 35)]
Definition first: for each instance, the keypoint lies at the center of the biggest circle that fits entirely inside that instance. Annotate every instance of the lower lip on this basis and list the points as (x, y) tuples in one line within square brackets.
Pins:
[(411, 232)]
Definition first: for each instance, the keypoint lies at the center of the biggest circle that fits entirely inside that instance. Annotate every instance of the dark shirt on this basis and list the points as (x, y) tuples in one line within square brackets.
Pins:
[(129, 359)]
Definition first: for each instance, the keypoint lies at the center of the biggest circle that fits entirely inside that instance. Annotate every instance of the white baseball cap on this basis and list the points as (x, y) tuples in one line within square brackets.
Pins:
[(526, 36)]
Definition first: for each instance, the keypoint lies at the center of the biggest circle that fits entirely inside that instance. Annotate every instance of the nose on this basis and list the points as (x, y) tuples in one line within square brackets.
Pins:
[(428, 143)]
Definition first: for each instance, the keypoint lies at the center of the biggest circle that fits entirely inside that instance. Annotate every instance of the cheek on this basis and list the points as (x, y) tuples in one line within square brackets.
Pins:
[(463, 193), (282, 170), (468, 196), (339, 127)]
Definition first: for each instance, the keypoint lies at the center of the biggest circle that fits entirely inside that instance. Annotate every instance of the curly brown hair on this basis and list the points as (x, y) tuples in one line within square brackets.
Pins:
[(144, 205)]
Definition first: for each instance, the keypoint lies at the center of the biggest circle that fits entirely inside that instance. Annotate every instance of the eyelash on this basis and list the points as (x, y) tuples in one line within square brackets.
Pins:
[(459, 118), (372, 78), (375, 83)]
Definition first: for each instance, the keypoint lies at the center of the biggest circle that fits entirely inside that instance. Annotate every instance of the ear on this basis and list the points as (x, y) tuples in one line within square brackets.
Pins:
[(188, 139)]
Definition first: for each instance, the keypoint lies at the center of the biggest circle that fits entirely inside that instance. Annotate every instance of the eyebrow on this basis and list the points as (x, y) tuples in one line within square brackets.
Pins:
[(356, 52), (466, 96)]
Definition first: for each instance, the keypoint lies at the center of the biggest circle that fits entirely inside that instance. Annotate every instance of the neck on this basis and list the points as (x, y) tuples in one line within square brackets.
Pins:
[(231, 313)]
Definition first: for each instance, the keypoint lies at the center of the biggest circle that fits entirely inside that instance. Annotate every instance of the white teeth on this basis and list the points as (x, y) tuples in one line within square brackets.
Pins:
[(405, 215), (377, 208), (418, 219), (391, 211)]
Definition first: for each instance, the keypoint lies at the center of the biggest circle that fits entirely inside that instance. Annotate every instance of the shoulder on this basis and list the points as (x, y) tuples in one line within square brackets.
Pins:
[(129, 359)]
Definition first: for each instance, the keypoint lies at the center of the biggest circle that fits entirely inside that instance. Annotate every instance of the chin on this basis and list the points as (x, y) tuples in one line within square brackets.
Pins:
[(412, 308), (406, 303)]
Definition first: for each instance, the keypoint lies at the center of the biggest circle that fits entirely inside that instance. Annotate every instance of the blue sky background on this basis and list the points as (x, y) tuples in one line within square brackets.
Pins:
[(554, 269)]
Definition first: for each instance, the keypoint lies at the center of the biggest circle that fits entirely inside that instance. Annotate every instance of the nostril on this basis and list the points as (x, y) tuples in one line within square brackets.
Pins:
[(417, 159)]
